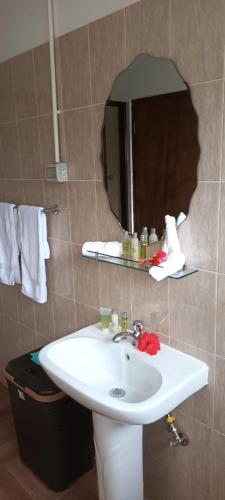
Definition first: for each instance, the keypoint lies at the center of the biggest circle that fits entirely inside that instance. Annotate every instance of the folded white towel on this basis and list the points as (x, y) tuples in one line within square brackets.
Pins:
[(171, 246), (9, 252), (33, 244), (113, 248), (173, 264)]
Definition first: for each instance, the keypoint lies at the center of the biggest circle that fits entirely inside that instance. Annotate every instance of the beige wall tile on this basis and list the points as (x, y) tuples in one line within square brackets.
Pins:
[(30, 339), (26, 311), (46, 140), (154, 486), (86, 315), (220, 334), (10, 151), (150, 301), (23, 77), (115, 289), (10, 343), (58, 225), (199, 233), (108, 226), (30, 149), (7, 96), (207, 100), (197, 38), (219, 421), (107, 46), (64, 315), (43, 78), (156, 442), (83, 211), (59, 266), (98, 118), (189, 467), (34, 193), (8, 301), (192, 309), (221, 262), (56, 194), (200, 405), (78, 137), (86, 279), (44, 318), (147, 29), (75, 68), (11, 191), (218, 482)]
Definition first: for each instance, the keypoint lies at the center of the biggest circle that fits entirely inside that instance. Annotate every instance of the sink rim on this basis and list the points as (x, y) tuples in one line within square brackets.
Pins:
[(172, 392)]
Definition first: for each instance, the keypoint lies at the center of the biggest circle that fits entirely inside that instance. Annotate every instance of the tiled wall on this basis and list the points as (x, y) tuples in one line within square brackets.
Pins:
[(189, 313)]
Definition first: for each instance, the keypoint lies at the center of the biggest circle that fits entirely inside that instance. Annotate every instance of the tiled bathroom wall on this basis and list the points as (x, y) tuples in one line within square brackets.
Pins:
[(189, 313)]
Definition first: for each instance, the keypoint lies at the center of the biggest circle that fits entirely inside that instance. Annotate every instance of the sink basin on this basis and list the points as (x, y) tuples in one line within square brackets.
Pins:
[(117, 380)]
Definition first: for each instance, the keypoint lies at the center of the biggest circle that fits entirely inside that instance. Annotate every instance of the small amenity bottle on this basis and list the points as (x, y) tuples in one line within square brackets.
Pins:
[(124, 322), (143, 247), (153, 236), (115, 321), (135, 247), (126, 246), (145, 232)]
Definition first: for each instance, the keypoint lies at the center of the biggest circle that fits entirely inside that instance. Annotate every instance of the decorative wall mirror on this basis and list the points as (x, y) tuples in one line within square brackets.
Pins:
[(150, 148)]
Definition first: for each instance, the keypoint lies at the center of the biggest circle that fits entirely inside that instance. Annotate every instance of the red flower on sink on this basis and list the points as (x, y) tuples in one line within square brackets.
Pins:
[(149, 342)]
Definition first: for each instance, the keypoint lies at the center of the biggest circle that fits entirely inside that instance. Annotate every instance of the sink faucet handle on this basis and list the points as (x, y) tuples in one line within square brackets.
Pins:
[(137, 328)]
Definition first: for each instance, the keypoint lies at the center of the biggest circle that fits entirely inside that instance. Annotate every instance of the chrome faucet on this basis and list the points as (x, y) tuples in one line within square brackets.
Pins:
[(128, 334)]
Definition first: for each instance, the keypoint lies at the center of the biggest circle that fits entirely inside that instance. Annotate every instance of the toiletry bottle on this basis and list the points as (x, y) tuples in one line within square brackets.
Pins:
[(153, 236), (143, 247), (135, 247), (115, 321), (126, 246), (124, 322), (145, 232)]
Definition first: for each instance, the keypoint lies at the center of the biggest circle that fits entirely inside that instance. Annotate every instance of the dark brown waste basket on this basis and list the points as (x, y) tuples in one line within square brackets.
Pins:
[(54, 433)]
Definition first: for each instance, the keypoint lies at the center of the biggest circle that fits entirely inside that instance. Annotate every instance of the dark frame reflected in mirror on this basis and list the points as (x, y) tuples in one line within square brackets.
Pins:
[(150, 147)]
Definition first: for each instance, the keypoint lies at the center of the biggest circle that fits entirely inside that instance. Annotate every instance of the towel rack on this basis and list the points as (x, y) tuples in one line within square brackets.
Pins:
[(55, 209)]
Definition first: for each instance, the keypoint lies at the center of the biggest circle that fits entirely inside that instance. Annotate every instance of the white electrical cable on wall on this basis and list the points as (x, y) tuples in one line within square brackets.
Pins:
[(53, 81)]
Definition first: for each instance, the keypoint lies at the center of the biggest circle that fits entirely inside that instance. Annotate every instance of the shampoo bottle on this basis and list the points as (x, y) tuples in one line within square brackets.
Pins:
[(126, 246), (153, 236), (135, 247), (145, 233), (143, 247)]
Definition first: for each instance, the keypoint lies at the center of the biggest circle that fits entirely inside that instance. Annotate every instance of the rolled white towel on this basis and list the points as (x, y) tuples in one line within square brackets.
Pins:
[(174, 263), (113, 248)]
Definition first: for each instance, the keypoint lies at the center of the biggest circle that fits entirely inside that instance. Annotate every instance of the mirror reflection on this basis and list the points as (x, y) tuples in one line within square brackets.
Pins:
[(150, 148)]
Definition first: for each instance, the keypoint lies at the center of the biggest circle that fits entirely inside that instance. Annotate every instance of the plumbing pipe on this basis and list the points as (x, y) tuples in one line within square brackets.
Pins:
[(53, 81)]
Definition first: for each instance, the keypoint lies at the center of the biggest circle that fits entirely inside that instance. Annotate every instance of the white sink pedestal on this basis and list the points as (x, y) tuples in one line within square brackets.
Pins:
[(119, 458)]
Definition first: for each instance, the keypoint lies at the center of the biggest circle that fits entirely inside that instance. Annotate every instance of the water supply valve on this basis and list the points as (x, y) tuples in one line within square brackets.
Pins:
[(179, 438)]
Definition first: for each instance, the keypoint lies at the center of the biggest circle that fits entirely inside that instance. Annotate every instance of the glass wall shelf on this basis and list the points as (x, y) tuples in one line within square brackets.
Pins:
[(131, 264)]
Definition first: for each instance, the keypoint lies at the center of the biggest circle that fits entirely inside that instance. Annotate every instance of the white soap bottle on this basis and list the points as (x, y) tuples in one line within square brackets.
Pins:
[(115, 321), (135, 249), (153, 236)]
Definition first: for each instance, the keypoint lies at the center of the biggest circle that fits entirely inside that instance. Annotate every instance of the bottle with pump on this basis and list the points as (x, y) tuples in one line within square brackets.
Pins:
[(126, 246), (153, 236), (135, 247), (143, 246)]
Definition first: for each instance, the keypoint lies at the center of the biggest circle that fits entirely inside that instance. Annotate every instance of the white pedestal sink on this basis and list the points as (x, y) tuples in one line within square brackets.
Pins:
[(125, 389)]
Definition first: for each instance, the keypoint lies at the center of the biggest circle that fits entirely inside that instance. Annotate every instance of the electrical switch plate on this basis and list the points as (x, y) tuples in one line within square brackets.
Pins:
[(57, 172)]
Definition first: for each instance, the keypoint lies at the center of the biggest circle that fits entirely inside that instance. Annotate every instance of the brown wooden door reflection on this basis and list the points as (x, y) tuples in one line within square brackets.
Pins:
[(165, 156)]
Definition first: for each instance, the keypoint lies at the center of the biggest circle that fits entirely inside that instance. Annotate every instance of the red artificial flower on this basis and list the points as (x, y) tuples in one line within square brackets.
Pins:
[(158, 258), (149, 342)]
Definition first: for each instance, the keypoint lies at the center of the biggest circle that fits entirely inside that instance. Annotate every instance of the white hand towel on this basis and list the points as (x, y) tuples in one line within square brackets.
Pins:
[(113, 248), (34, 250), (171, 246), (9, 252)]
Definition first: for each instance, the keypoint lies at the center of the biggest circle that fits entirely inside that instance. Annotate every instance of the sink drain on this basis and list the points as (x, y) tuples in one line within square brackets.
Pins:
[(117, 392)]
